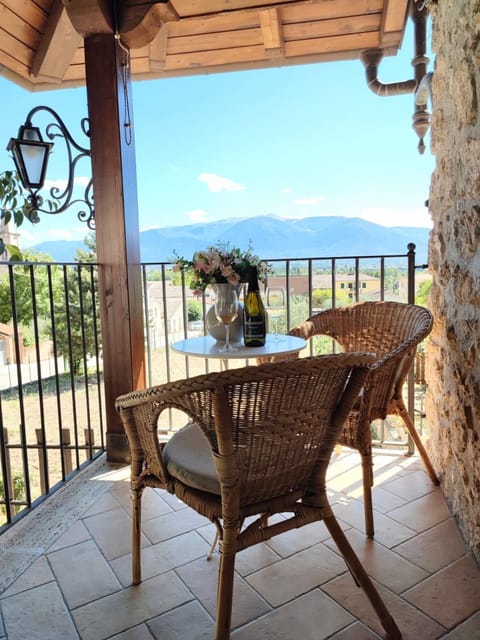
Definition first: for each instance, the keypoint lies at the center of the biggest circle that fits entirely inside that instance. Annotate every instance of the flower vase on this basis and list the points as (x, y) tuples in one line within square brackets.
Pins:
[(215, 328)]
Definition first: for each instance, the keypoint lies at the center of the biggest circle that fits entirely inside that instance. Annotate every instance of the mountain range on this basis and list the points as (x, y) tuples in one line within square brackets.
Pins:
[(271, 237)]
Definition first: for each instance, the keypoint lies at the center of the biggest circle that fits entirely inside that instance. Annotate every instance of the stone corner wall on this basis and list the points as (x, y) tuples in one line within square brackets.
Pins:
[(453, 363)]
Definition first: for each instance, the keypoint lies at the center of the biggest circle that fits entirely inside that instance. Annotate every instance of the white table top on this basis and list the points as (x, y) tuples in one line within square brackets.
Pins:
[(208, 347)]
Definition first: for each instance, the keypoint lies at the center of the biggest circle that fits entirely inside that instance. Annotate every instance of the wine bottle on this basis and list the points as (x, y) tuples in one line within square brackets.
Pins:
[(254, 316)]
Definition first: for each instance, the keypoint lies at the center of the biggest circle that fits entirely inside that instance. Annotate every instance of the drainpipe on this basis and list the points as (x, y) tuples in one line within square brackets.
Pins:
[(419, 85)]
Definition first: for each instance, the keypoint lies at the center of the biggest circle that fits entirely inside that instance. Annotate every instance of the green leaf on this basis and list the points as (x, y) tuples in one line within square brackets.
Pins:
[(18, 217), (15, 253)]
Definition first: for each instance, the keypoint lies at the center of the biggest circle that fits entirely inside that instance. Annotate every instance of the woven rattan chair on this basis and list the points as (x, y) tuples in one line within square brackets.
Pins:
[(391, 330), (259, 443)]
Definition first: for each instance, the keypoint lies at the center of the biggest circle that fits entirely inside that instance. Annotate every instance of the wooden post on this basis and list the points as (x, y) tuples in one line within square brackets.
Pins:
[(42, 471), (66, 451), (117, 229), (9, 508)]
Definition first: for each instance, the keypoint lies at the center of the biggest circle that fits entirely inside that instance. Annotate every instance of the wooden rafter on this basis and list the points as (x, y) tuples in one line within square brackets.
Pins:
[(59, 35), (271, 32)]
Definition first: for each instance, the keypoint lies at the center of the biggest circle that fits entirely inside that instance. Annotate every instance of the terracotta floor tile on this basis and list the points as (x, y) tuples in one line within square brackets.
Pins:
[(435, 548), (313, 616), (171, 500), (162, 557), (38, 614), (293, 576), (172, 524), (37, 574), (73, 572), (384, 565), (450, 595), (183, 623), (106, 502), (413, 624), (153, 504), (468, 630), (112, 532), (424, 512), (356, 631), (388, 532), (142, 632), (296, 540), (76, 534), (384, 501), (411, 486), (201, 576), (128, 608), (254, 558)]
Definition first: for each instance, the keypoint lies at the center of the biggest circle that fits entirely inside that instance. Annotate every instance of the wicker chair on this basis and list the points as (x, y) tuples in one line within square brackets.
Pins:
[(259, 443), (392, 330)]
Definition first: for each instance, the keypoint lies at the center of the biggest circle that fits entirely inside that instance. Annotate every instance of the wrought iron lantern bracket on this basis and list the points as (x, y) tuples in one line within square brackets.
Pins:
[(30, 141)]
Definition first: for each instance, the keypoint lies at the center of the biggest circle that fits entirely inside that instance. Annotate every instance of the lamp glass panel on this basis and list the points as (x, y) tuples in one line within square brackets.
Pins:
[(33, 159)]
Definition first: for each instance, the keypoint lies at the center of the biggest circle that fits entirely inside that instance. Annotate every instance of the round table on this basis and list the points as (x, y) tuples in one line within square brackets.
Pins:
[(208, 347)]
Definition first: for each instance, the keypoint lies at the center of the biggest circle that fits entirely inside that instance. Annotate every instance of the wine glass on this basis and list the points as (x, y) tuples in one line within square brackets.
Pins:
[(226, 310), (276, 299)]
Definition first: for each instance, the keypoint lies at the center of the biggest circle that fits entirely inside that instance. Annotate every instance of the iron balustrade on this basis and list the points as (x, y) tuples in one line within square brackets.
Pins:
[(52, 413)]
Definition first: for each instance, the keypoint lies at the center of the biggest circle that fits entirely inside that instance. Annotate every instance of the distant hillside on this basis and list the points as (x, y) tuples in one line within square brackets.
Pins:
[(60, 250), (272, 237)]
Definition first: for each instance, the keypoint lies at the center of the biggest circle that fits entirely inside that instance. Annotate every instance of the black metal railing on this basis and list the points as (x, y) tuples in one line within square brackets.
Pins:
[(51, 384), (52, 414)]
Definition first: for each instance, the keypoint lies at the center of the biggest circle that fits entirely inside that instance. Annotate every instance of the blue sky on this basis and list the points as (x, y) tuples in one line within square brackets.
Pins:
[(297, 141)]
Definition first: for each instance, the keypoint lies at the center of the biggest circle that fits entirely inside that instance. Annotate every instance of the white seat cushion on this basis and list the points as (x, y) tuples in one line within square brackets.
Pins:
[(188, 458)]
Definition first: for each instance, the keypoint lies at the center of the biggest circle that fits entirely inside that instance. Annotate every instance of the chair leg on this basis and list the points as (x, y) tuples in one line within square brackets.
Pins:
[(361, 577), (418, 443), (224, 596), (367, 473), (136, 535)]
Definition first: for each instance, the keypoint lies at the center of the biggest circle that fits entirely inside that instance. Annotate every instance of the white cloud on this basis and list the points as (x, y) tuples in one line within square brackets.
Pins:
[(217, 183), (311, 200), (197, 215), (286, 190)]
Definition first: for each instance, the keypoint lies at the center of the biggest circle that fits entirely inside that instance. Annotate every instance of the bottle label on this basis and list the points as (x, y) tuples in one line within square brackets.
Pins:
[(254, 329)]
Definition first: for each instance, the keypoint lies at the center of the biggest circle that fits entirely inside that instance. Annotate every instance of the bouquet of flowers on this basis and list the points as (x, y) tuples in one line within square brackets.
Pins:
[(220, 263)]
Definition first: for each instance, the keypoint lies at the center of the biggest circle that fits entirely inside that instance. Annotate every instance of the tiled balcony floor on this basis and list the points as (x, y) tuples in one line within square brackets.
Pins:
[(66, 567)]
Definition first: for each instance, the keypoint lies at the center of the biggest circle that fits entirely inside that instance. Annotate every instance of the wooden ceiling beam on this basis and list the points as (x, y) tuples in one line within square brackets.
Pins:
[(141, 22), (158, 50), (59, 35), (271, 32), (91, 17)]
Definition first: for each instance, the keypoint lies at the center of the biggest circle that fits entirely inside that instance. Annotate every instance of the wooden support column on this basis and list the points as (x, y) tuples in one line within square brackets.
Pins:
[(117, 228)]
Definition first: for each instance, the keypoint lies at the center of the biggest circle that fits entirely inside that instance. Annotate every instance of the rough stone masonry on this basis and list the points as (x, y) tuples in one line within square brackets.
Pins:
[(453, 352)]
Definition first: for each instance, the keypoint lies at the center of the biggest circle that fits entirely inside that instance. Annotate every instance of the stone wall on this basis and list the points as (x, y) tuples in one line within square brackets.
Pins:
[(453, 362)]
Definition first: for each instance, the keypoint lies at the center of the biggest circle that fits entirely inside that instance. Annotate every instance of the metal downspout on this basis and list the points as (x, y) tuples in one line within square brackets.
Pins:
[(419, 85)]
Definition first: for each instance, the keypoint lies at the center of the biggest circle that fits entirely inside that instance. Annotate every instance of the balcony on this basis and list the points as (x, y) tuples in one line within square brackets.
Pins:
[(52, 440), (66, 566)]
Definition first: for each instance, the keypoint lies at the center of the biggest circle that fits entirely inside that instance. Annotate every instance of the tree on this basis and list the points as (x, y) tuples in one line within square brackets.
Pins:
[(76, 310), (194, 310), (423, 292), (16, 206), (23, 300)]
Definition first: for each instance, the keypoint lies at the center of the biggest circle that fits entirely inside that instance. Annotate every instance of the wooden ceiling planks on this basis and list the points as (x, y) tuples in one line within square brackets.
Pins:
[(39, 48)]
